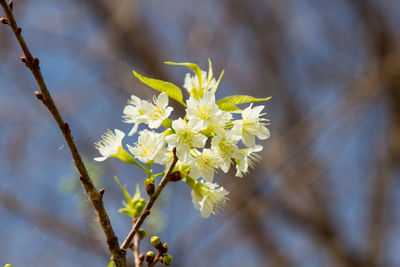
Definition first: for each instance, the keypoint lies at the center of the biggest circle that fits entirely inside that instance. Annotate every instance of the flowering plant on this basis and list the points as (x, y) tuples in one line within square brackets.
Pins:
[(232, 141), (213, 135)]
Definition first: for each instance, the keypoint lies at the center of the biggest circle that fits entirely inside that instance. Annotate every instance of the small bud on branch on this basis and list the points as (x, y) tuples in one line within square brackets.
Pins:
[(150, 189), (175, 176), (101, 192), (66, 128), (39, 95), (35, 62), (150, 256)]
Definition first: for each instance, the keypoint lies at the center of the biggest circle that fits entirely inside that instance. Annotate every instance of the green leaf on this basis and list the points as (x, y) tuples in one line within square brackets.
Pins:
[(137, 193), (240, 99), (214, 89), (123, 188), (229, 107), (192, 66), (210, 74), (126, 211), (111, 264), (171, 89)]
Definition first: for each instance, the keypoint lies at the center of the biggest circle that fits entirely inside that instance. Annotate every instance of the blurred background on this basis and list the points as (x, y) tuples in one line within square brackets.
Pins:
[(327, 191)]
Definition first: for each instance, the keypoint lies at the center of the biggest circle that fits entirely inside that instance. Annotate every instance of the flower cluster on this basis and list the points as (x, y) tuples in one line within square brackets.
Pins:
[(213, 135)]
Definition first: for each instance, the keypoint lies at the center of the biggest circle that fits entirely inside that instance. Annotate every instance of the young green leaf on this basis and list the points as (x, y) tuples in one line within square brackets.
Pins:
[(171, 89), (192, 66), (214, 89), (229, 107), (197, 70), (240, 99), (111, 264), (123, 188), (210, 74)]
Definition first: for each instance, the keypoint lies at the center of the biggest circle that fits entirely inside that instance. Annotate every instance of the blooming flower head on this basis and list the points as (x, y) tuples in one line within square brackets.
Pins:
[(134, 113), (158, 112), (192, 83), (110, 145), (186, 137), (204, 164), (205, 139), (225, 146), (251, 125), (207, 197), (250, 157), (150, 147), (205, 111), (202, 110), (141, 111)]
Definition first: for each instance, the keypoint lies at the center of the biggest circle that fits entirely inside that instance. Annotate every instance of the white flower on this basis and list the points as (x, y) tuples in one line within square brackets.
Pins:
[(207, 197), (150, 147), (158, 112), (248, 161), (192, 84), (205, 111), (134, 113), (204, 164), (186, 136), (110, 145), (225, 146), (142, 111), (251, 126)]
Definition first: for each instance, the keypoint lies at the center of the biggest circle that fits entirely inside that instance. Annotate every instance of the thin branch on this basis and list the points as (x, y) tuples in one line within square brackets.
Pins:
[(149, 204), (135, 248), (32, 63)]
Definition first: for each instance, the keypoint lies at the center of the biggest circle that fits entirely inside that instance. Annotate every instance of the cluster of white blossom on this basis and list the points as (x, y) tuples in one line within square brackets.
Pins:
[(207, 139)]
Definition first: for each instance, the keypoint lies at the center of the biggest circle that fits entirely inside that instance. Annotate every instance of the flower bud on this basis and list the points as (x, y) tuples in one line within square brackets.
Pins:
[(150, 256), (155, 241), (150, 189), (167, 259), (175, 176), (163, 248)]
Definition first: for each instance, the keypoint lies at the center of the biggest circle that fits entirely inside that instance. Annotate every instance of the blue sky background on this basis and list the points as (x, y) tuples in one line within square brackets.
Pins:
[(327, 134)]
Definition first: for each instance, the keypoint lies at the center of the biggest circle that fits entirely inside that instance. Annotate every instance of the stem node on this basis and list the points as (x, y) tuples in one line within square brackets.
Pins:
[(39, 95)]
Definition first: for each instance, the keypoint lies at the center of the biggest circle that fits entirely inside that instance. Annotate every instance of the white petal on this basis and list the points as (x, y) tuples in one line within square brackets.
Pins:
[(100, 159), (195, 125), (263, 133), (179, 124), (163, 99), (134, 129), (120, 134), (199, 140), (249, 140), (172, 140)]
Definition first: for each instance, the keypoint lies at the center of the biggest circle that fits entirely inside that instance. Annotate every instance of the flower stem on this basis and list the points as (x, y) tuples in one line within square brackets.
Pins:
[(149, 204)]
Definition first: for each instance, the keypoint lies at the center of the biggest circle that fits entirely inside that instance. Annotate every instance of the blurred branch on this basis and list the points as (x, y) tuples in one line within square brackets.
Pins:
[(45, 97), (50, 223)]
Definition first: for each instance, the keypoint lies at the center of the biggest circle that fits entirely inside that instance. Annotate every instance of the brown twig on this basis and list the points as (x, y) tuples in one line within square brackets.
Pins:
[(149, 204), (135, 249), (156, 259), (32, 63)]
